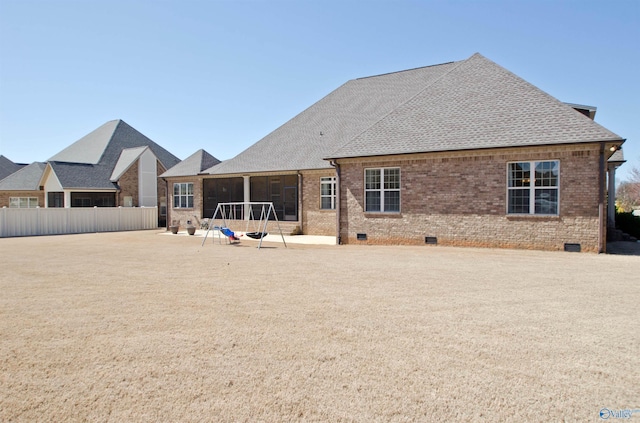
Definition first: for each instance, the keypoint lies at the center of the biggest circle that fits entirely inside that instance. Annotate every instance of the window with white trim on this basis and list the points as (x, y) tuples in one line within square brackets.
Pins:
[(23, 202), (533, 187), (382, 190), (328, 193), (183, 195)]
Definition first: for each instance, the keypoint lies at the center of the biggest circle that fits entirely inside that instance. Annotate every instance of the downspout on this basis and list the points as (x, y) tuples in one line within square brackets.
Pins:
[(602, 247), (337, 167), (300, 202)]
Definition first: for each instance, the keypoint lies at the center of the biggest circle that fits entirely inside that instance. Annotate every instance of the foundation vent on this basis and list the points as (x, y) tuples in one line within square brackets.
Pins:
[(430, 240), (572, 248), (361, 237)]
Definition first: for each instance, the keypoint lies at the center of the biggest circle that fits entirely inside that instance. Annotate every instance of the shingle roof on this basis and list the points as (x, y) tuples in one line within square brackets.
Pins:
[(127, 157), (25, 179), (192, 165), (7, 167), (470, 104), (304, 141), (475, 105), (76, 165)]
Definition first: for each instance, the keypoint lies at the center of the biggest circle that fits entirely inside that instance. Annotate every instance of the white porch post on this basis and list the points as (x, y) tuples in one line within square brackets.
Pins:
[(247, 196)]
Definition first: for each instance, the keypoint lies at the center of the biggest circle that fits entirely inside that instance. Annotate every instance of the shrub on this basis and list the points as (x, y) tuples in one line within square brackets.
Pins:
[(628, 223)]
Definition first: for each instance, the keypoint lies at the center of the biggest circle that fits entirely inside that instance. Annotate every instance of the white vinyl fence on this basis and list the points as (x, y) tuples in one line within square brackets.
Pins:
[(56, 221)]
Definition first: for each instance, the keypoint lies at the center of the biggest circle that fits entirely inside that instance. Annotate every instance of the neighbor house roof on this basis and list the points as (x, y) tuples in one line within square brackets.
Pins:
[(89, 163), (7, 167), (25, 179), (470, 104), (475, 105), (195, 164)]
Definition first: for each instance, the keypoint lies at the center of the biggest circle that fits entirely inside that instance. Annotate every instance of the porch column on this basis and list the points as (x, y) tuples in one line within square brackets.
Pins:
[(247, 196)]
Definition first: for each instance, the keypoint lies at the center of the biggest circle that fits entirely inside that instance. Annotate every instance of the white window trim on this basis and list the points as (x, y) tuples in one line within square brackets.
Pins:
[(382, 190), (328, 180), (180, 195), (532, 188), (30, 202)]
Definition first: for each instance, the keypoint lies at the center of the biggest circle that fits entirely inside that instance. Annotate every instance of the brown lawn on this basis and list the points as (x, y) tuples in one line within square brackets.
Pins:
[(141, 326)]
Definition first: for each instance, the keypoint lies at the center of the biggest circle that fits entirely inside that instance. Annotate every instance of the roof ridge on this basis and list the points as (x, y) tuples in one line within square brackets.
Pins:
[(407, 70), (431, 83)]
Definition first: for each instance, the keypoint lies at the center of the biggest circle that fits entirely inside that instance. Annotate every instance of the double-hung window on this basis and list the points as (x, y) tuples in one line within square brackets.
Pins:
[(533, 187), (328, 193), (183, 195), (382, 189)]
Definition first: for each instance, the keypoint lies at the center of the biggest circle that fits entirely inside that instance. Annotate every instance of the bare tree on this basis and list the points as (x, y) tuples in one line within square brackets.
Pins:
[(628, 193)]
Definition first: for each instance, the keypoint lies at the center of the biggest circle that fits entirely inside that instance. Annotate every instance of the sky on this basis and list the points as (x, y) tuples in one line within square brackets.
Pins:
[(220, 75)]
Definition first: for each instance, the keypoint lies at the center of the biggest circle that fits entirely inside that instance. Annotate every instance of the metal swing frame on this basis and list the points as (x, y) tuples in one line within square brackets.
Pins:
[(228, 211)]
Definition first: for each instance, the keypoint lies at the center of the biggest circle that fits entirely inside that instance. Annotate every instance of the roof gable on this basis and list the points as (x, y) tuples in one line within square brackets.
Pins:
[(128, 156), (475, 105), (192, 165)]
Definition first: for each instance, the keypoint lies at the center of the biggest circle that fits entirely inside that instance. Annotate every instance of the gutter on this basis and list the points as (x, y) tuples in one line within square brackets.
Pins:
[(337, 167)]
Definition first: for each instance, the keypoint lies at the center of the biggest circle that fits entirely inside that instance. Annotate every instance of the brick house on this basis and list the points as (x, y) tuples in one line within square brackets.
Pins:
[(462, 153), (114, 165)]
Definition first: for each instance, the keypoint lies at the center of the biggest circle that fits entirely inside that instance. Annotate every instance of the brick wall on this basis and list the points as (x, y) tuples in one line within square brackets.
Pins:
[(316, 221), (128, 183), (460, 198), (182, 215), (5, 195)]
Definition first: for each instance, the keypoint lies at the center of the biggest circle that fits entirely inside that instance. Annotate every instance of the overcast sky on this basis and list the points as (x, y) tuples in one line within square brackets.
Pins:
[(220, 75)]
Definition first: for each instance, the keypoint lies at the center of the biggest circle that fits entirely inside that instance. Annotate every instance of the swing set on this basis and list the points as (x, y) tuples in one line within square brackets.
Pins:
[(239, 211)]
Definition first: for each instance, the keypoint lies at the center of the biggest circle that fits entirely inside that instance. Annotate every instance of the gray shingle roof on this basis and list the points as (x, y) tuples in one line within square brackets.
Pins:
[(76, 165), (7, 167), (475, 105), (196, 163), (25, 179), (304, 141)]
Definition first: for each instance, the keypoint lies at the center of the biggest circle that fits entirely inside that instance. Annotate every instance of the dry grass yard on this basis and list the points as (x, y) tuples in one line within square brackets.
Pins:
[(139, 326)]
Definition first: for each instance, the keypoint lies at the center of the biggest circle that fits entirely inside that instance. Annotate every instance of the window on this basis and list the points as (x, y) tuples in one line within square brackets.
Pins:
[(93, 199), (328, 193), (183, 196), (382, 190), (533, 187), (23, 202), (55, 199)]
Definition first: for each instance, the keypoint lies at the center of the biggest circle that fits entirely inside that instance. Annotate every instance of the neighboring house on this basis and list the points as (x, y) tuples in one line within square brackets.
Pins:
[(21, 189), (114, 165), (463, 153)]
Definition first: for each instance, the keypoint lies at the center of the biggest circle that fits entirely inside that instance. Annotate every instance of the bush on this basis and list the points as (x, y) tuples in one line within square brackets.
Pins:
[(628, 223)]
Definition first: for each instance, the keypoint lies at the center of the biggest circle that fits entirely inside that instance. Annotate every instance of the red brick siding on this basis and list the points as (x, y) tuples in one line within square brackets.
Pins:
[(185, 214), (5, 195), (128, 184), (316, 221), (460, 198)]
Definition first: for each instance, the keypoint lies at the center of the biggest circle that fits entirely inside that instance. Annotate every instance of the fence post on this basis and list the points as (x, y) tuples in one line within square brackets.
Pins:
[(38, 220)]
